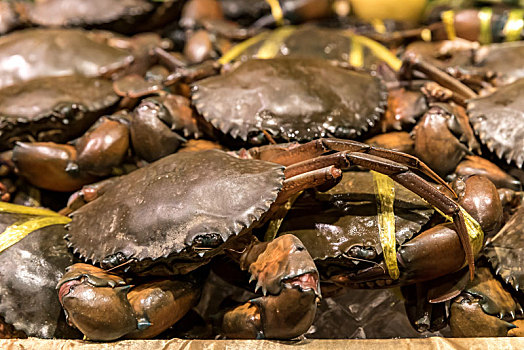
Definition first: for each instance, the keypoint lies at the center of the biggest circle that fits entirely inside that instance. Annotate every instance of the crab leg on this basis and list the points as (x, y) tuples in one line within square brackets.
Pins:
[(295, 153), (415, 63), (402, 175), (319, 177)]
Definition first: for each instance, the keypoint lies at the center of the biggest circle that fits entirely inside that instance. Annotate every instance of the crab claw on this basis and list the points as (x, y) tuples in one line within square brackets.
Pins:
[(483, 308), (96, 302), (285, 262), (287, 275), (437, 251), (50, 166), (104, 307)]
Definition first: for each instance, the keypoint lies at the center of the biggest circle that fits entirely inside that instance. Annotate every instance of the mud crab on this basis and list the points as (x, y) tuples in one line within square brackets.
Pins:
[(339, 227), (183, 241), (60, 108), (127, 16), (354, 259), (299, 114), (31, 268), (32, 53)]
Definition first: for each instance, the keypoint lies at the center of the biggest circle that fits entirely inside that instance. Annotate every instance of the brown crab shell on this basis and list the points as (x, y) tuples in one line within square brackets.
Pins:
[(498, 120), (158, 211), (504, 59), (292, 98), (65, 13), (33, 53), (52, 108), (346, 216), (30, 271), (309, 41), (505, 251)]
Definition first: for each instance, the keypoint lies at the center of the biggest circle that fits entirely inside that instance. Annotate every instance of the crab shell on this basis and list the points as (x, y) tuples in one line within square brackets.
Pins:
[(164, 209), (505, 251), (293, 98), (498, 119), (30, 271), (52, 108), (347, 217), (505, 59), (309, 41), (32, 53), (55, 13)]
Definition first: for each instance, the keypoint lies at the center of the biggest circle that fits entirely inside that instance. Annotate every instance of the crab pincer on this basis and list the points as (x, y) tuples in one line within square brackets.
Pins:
[(289, 280)]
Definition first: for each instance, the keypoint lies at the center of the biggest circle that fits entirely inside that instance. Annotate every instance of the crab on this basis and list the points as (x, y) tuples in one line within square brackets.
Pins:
[(149, 132), (504, 251), (31, 268), (55, 108), (480, 66), (35, 52), (347, 245), (457, 113), (498, 119), (181, 240), (127, 16), (311, 106), (339, 227), (485, 25)]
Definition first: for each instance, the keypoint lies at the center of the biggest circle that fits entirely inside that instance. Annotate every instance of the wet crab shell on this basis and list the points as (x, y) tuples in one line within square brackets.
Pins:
[(53, 108), (498, 119), (165, 208), (30, 271), (32, 53), (504, 59), (294, 99), (54, 13), (347, 217), (308, 41), (506, 251)]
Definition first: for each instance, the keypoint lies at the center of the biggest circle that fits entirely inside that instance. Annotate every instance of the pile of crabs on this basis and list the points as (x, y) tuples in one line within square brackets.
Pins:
[(262, 169)]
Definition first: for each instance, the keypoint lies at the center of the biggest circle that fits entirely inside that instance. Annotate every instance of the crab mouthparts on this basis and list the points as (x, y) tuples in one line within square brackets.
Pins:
[(305, 281)]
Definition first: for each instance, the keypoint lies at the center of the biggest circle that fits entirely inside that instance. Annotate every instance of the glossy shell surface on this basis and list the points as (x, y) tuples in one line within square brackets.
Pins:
[(30, 271), (55, 13), (293, 99), (309, 41), (498, 119), (32, 53), (160, 210), (52, 109), (504, 59), (506, 251), (346, 216)]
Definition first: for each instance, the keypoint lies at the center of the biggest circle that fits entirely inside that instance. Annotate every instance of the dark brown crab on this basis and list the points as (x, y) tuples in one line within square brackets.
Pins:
[(348, 247), (186, 227), (32, 53), (504, 251), (292, 99), (126, 16), (498, 119), (31, 268), (54, 108), (339, 227)]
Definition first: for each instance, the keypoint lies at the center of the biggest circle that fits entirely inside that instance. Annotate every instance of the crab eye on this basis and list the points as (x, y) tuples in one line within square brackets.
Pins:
[(208, 240), (113, 260)]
